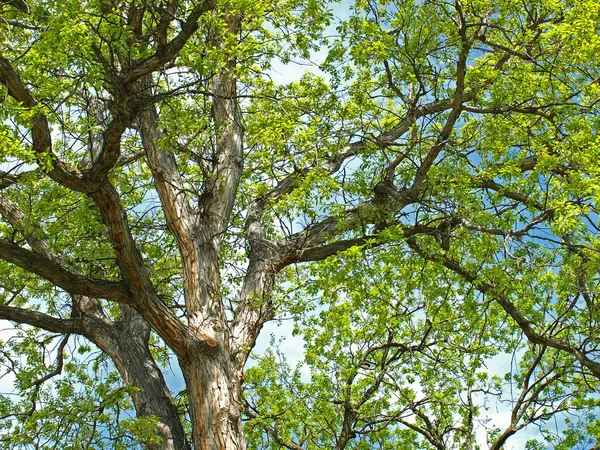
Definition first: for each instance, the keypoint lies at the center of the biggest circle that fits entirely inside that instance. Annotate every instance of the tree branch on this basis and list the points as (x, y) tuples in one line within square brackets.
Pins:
[(59, 363), (307, 245), (9, 179), (167, 52), (136, 277), (167, 179), (442, 140), (289, 183), (35, 237), (111, 147), (40, 320), (56, 274), (517, 196), (42, 140), (508, 306), (16, 217)]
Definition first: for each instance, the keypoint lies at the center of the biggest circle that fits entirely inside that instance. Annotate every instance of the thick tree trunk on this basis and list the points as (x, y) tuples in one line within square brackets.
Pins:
[(214, 400), (213, 378)]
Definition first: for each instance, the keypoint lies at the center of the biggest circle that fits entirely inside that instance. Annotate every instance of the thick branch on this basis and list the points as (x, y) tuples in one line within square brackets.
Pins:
[(255, 306), (38, 241), (307, 245), (167, 179), (9, 179), (227, 170), (316, 234), (204, 304), (135, 273), (319, 253), (104, 141), (40, 320), (126, 342), (179, 215), (56, 274), (111, 148), (16, 217), (42, 140)]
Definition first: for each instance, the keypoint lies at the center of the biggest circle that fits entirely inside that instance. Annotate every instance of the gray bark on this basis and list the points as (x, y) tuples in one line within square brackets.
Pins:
[(126, 342)]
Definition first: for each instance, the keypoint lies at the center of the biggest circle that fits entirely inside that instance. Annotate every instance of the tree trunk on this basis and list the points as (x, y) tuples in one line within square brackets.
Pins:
[(214, 400)]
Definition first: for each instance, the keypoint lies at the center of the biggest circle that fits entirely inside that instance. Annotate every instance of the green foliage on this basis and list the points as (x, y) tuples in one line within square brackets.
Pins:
[(85, 407), (480, 118)]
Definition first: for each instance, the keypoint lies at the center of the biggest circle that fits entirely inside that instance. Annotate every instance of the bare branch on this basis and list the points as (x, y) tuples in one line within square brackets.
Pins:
[(60, 357), (545, 215), (521, 198)]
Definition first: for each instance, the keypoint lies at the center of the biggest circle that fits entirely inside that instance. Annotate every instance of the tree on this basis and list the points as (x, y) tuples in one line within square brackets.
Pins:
[(427, 203)]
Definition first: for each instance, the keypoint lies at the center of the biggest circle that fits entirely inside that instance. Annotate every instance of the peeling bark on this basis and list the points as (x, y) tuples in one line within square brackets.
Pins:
[(214, 398)]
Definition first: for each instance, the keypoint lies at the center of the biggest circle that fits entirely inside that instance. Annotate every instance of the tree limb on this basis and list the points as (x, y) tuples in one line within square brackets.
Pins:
[(508, 306), (42, 140), (40, 320), (8, 179), (167, 52), (60, 357), (167, 179), (61, 277), (457, 103), (135, 273)]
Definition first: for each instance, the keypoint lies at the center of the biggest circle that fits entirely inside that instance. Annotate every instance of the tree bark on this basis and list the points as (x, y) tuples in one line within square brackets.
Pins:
[(126, 343), (212, 377), (214, 399)]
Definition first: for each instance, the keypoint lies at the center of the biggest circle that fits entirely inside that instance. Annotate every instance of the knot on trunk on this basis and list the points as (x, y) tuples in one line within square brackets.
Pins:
[(208, 330)]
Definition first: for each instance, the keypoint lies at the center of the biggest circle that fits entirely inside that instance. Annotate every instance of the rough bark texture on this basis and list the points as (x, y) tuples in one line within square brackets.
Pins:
[(214, 404), (211, 354), (126, 342)]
